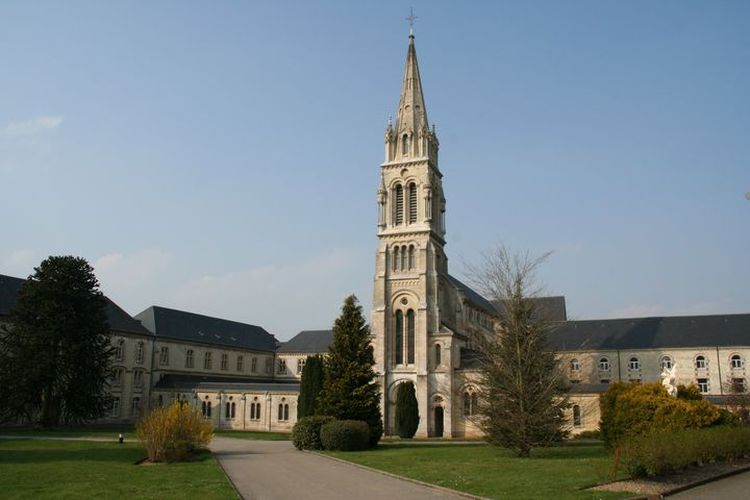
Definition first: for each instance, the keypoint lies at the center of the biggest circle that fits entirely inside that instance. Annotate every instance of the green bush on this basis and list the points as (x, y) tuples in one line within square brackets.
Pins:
[(634, 409), (306, 432), (345, 435), (407, 411), (659, 452), (172, 433)]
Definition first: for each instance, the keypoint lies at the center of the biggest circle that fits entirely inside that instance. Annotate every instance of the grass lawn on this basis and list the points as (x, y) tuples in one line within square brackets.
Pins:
[(496, 473), (255, 435), (86, 469)]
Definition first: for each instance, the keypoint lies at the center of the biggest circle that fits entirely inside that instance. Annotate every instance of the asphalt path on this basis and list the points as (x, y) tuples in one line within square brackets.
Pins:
[(735, 487), (271, 470)]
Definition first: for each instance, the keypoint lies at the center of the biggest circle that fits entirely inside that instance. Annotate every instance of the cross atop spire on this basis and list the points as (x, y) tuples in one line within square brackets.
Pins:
[(411, 18)]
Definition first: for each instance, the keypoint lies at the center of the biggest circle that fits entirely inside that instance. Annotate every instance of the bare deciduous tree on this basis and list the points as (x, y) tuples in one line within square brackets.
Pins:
[(524, 394)]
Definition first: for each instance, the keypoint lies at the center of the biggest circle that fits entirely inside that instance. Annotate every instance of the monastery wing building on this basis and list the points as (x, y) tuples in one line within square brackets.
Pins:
[(423, 322)]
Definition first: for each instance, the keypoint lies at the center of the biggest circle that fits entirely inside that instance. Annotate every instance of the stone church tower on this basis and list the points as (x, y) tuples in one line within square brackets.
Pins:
[(410, 338)]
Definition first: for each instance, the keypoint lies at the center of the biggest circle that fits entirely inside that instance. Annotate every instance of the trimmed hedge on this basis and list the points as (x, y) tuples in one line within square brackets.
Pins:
[(658, 452), (345, 435), (306, 432)]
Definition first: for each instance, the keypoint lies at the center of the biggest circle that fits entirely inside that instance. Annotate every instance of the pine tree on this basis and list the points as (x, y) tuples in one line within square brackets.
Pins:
[(350, 391), (310, 386), (55, 355), (524, 394), (407, 411)]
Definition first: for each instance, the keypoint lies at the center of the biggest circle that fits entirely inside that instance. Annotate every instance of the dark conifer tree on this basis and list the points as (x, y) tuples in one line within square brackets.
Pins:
[(55, 354), (310, 386), (350, 391), (407, 411)]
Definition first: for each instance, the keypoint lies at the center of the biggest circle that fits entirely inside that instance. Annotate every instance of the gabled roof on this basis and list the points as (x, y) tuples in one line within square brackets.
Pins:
[(117, 318), (308, 342), (725, 330), (549, 308), (191, 327), (475, 298)]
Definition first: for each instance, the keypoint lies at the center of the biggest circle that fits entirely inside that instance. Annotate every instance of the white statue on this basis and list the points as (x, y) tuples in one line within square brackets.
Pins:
[(667, 380)]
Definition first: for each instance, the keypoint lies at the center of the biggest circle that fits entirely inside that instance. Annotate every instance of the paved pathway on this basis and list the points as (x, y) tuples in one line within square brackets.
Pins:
[(730, 488), (269, 470)]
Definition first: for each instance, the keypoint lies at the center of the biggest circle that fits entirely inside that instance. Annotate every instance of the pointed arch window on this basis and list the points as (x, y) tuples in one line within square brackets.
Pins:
[(398, 203), (399, 340), (412, 203), (410, 336)]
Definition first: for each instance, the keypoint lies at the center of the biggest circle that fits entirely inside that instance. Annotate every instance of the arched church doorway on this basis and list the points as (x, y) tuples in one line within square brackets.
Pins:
[(438, 421)]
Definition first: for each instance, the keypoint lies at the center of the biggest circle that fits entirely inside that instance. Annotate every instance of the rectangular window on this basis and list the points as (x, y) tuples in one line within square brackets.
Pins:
[(164, 356), (115, 407), (269, 365), (189, 359), (207, 362), (225, 362), (116, 379), (135, 407), (281, 368), (254, 364), (139, 353), (300, 365), (119, 350), (137, 378), (240, 362), (703, 385)]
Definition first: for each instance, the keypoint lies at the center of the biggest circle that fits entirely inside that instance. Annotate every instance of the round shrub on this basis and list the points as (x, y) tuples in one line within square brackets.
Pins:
[(306, 432), (632, 409), (172, 433), (345, 435)]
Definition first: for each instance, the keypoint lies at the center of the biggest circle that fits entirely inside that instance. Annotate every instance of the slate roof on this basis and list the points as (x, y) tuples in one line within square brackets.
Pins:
[(189, 382), (117, 318), (191, 327), (308, 341), (723, 330), (473, 297), (550, 308)]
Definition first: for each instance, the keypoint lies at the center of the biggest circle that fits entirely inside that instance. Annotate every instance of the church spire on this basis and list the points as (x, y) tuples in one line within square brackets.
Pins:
[(411, 137), (412, 115)]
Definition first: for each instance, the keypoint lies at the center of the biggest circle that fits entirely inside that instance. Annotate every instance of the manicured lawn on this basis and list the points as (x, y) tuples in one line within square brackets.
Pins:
[(487, 471), (261, 436), (85, 469)]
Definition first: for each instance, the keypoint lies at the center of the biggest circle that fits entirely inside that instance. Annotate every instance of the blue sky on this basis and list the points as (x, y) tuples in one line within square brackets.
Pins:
[(223, 157)]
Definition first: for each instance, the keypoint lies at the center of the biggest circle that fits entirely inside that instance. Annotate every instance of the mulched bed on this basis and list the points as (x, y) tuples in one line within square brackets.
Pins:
[(690, 477)]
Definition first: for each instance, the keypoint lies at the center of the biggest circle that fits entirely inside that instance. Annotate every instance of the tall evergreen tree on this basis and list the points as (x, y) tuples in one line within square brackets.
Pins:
[(350, 391), (524, 394), (407, 411), (310, 386), (55, 355)]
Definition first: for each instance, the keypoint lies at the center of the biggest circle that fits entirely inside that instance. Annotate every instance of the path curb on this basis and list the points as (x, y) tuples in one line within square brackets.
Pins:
[(395, 476), (223, 471)]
